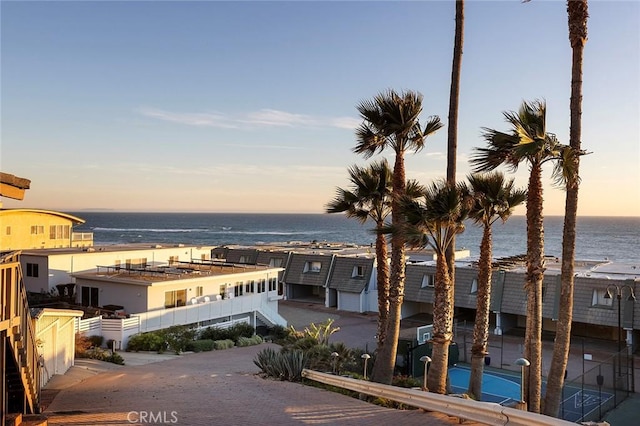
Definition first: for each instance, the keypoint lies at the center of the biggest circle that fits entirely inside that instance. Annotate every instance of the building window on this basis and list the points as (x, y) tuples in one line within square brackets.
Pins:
[(175, 298), (598, 299), (275, 262), (58, 232), (273, 284), (199, 291), (117, 264), (313, 267), (358, 272), (474, 286), (173, 259), (262, 285), (37, 229), (427, 280), (250, 286), (8, 230), (245, 259), (32, 270), (90, 296), (238, 289)]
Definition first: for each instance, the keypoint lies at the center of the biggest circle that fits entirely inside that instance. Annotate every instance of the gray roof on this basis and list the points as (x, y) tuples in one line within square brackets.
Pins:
[(342, 274), (297, 272), (413, 290), (219, 252), (267, 257), (242, 255)]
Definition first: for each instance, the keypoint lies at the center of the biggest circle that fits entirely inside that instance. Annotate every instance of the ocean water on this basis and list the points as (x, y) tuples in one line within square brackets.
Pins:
[(598, 238)]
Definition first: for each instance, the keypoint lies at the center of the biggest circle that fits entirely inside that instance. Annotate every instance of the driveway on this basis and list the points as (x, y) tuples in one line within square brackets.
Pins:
[(211, 388)]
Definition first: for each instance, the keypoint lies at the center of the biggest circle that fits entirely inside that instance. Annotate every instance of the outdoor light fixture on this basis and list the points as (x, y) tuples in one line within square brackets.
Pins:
[(334, 356), (522, 362), (366, 358), (426, 360)]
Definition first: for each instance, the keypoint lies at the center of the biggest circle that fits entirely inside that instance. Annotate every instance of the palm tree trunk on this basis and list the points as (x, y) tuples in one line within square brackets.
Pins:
[(387, 356), (481, 325), (577, 13), (383, 287), (533, 285), (452, 130), (442, 327)]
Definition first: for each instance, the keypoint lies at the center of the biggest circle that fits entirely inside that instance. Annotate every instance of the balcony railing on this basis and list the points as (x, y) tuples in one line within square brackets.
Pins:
[(81, 236)]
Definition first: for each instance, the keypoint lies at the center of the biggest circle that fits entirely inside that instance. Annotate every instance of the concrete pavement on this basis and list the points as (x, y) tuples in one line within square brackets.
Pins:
[(212, 388), (221, 387), (218, 388)]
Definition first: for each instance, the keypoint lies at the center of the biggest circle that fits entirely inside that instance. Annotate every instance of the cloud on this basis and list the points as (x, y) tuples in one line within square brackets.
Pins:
[(191, 119), (254, 119), (272, 117)]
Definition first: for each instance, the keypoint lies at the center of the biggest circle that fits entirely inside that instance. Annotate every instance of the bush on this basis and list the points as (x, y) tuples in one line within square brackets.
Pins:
[(177, 337), (115, 358), (213, 333), (281, 365), (231, 333), (249, 341), (200, 346), (223, 344), (241, 329), (305, 343), (96, 341), (406, 382), (102, 355), (151, 341), (277, 334), (83, 344)]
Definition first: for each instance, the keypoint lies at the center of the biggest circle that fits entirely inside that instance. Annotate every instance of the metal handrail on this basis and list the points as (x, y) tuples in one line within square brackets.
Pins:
[(467, 409)]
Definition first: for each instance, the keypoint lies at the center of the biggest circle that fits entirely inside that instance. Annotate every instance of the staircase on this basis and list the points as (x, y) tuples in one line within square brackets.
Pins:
[(19, 361)]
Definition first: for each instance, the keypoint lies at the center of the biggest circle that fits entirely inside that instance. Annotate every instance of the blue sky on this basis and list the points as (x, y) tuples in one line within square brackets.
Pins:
[(251, 106)]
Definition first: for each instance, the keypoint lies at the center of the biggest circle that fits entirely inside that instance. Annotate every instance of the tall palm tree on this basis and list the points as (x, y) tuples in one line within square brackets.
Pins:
[(391, 120), (433, 220), (578, 14), (528, 142), (452, 126), (370, 198), (492, 198)]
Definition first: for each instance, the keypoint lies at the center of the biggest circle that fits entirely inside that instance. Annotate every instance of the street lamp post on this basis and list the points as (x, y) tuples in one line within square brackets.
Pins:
[(366, 358), (426, 360), (522, 362), (608, 295)]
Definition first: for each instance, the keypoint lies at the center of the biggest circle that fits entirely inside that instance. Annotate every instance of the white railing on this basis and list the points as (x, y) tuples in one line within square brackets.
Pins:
[(189, 314), (89, 326), (464, 409), (82, 236), (228, 310)]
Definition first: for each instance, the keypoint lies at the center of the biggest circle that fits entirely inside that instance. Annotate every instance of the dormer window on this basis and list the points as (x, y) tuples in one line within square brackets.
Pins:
[(275, 262), (313, 267), (599, 299), (427, 281), (358, 272), (474, 286)]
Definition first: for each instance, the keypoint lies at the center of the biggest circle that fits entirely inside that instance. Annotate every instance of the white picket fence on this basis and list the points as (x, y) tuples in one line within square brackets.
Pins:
[(219, 313)]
